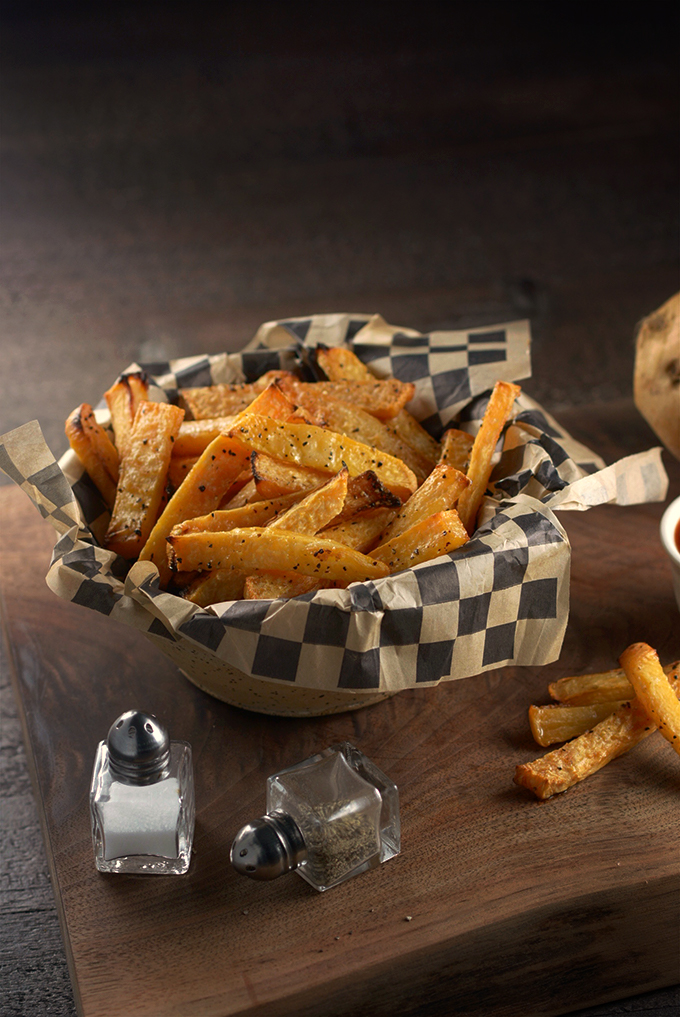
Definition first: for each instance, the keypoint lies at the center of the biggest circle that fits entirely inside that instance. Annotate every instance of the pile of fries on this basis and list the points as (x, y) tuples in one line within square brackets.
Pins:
[(601, 716), (280, 487)]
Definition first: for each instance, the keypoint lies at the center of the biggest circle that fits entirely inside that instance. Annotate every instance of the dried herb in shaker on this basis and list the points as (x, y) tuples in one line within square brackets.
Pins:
[(329, 817)]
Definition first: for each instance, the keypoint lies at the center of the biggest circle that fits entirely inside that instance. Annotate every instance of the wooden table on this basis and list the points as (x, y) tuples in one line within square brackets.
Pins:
[(498, 904)]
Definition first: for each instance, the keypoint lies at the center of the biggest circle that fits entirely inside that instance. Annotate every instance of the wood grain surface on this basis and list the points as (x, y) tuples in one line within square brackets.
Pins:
[(498, 904)]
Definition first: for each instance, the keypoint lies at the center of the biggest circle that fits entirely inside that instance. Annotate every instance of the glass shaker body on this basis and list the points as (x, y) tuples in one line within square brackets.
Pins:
[(143, 828), (346, 809)]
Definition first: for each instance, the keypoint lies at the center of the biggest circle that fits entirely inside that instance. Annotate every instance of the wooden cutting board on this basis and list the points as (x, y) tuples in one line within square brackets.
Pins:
[(498, 904)]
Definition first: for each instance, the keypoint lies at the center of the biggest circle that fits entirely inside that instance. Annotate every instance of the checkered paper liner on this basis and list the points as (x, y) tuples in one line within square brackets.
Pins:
[(503, 598)]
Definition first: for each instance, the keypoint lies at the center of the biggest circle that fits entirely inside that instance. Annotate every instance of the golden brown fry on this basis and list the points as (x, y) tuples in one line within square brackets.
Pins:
[(438, 493), (256, 513), (178, 469), (438, 534), (305, 445), (383, 398), (261, 548), (272, 585), (274, 477), (455, 449), (80, 439), (341, 364), (199, 493), (497, 412), (654, 690), (316, 509), (216, 400), (356, 423), (143, 475), (602, 687), (364, 492), (415, 436), (618, 733), (123, 400), (102, 445), (360, 531), (559, 722), (195, 435), (215, 587), (206, 483)]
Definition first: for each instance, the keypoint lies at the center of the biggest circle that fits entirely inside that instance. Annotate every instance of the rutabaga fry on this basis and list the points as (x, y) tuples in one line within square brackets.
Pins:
[(582, 756), (316, 509), (89, 451), (206, 483), (199, 493), (362, 530), (258, 548), (123, 399), (653, 689), (438, 493), (309, 446), (427, 539), (384, 398), (272, 585), (481, 455), (143, 475), (559, 722), (600, 687), (256, 513), (455, 449)]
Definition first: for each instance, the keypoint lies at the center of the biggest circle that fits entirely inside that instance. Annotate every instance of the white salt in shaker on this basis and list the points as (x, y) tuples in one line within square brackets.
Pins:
[(142, 799), (329, 817)]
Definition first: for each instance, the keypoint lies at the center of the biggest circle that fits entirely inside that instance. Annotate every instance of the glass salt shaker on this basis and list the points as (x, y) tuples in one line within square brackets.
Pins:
[(329, 817), (142, 799)]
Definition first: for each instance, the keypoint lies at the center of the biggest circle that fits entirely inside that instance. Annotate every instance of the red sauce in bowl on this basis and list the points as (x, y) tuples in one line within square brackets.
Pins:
[(677, 535)]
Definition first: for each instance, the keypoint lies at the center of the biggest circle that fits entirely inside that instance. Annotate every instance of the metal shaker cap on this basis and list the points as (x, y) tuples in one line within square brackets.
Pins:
[(139, 747), (268, 847)]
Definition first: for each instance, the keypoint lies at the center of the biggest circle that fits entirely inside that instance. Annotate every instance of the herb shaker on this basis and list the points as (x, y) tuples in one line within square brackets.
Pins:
[(142, 803), (329, 817)]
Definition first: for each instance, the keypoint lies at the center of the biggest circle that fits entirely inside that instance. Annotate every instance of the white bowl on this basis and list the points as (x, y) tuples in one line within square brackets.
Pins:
[(669, 526)]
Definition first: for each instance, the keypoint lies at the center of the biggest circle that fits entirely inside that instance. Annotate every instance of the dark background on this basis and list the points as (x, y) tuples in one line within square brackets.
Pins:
[(175, 174)]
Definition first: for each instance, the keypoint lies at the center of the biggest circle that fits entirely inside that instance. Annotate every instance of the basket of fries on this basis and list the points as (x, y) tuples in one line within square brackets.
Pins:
[(343, 510)]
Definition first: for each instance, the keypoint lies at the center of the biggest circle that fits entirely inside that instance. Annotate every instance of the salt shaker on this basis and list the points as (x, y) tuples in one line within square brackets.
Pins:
[(329, 817), (142, 799)]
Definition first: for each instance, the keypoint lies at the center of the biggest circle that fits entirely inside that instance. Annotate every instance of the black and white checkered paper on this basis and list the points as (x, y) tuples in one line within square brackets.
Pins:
[(501, 599)]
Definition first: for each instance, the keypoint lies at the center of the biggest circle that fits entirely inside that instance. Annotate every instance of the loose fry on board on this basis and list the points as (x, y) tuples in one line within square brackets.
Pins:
[(653, 689), (602, 687), (438, 493), (425, 540), (255, 548), (577, 759), (143, 475), (559, 722), (497, 412), (89, 452), (305, 445)]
